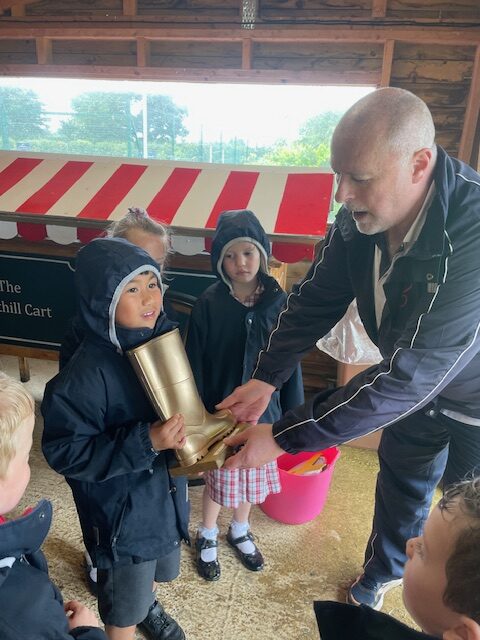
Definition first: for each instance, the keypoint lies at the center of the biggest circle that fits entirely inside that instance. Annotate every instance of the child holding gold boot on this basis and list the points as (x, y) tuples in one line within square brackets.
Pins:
[(102, 434), (230, 323)]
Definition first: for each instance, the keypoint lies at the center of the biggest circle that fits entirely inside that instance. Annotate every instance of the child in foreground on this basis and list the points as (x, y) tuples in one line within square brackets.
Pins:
[(140, 229), (441, 582), (229, 324), (31, 605), (102, 434)]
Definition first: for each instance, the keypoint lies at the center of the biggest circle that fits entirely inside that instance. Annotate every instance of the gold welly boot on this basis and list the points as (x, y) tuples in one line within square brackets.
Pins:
[(165, 373)]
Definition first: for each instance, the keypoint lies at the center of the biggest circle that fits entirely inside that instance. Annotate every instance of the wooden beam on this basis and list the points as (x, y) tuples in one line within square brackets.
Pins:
[(166, 74), (129, 7), (44, 50), (114, 31), (379, 8), (472, 113), (387, 62), (10, 4), (143, 52), (247, 53)]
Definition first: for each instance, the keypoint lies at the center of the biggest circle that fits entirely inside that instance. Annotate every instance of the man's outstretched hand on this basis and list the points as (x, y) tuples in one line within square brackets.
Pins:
[(258, 447), (248, 402)]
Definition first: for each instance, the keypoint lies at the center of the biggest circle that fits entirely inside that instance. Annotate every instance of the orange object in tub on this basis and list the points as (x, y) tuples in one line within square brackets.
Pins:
[(303, 495)]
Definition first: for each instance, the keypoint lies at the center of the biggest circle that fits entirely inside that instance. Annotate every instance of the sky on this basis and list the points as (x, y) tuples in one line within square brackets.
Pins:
[(258, 114)]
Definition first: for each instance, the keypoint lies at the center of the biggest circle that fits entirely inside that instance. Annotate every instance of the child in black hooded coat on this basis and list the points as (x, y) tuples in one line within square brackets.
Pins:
[(230, 323)]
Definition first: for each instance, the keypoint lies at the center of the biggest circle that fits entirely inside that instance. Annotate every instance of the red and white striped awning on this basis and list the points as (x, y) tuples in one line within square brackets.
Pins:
[(77, 195)]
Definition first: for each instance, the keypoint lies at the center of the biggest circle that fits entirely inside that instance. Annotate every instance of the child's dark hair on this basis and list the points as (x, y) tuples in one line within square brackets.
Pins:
[(462, 593)]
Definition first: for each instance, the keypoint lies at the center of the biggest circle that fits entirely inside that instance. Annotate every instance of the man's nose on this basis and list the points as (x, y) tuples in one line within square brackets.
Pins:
[(343, 192)]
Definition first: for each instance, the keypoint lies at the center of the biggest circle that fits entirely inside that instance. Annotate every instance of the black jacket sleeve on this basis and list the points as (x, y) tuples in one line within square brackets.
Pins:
[(438, 348), (76, 441)]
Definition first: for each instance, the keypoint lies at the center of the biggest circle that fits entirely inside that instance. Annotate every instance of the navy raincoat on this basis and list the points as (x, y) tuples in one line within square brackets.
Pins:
[(31, 605), (97, 419)]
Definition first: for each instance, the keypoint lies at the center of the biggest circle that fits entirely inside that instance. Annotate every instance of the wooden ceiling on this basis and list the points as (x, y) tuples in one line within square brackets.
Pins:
[(431, 47)]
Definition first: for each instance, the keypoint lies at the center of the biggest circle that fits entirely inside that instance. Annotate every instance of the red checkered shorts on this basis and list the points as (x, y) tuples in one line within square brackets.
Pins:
[(232, 487)]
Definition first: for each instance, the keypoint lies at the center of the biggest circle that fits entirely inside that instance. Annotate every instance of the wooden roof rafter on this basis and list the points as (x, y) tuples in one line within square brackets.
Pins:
[(354, 34), (472, 113)]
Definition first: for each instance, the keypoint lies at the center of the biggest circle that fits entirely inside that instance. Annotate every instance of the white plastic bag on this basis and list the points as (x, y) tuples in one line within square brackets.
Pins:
[(348, 341)]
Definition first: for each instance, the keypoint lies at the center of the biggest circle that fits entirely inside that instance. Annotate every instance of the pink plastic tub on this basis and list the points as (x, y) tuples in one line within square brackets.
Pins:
[(302, 497)]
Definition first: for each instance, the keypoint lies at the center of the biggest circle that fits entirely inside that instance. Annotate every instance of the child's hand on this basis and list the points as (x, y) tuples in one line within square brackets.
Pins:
[(168, 435), (78, 615)]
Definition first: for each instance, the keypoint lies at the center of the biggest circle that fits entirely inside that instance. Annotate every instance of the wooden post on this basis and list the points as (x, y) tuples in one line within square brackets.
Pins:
[(472, 113), (44, 50), (129, 7), (246, 53), (379, 8), (143, 52), (388, 50)]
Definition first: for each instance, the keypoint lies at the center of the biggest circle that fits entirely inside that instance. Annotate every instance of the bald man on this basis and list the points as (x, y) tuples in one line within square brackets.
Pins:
[(406, 245)]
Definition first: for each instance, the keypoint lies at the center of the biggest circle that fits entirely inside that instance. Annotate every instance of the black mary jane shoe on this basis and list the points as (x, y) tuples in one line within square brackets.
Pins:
[(208, 570), (253, 561)]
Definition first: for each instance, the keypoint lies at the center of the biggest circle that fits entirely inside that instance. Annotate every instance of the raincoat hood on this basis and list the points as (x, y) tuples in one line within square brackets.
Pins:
[(104, 267), (239, 225)]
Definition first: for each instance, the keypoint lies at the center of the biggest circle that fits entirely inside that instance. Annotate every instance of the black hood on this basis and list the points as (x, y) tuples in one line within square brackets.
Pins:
[(104, 267), (238, 225)]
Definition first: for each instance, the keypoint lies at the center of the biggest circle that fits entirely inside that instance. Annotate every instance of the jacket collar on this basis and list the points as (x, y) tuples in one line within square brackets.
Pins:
[(25, 535)]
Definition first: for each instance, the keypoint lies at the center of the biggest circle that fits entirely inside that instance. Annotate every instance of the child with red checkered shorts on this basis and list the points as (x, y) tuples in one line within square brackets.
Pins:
[(229, 324)]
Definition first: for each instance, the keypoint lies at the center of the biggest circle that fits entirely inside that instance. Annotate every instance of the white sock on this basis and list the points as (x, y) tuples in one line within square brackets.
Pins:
[(91, 569), (240, 529), (208, 555)]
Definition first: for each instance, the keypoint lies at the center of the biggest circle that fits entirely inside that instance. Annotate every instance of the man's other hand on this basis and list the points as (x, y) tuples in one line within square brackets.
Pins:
[(248, 402), (258, 447)]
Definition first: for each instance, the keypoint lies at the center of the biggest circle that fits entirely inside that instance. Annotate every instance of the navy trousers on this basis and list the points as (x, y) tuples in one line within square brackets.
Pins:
[(414, 455)]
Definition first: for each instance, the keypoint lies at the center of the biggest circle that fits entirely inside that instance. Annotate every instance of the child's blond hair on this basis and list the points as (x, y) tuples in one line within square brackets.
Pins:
[(138, 219), (16, 405)]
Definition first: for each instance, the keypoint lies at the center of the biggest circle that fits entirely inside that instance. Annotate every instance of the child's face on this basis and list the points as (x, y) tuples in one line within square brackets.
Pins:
[(241, 262), (154, 245), (13, 485), (425, 580), (140, 302)]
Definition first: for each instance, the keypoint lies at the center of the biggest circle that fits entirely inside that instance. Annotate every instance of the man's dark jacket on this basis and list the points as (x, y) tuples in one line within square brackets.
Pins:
[(428, 335), (97, 420), (225, 337), (31, 606)]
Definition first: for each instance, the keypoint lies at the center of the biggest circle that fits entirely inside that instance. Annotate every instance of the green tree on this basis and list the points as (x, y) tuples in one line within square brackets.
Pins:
[(164, 119), (312, 149), (22, 116), (117, 117), (319, 129), (99, 116), (298, 154)]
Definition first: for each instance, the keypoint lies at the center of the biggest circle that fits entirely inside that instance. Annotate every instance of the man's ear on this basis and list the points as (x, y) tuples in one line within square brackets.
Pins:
[(421, 163), (465, 629)]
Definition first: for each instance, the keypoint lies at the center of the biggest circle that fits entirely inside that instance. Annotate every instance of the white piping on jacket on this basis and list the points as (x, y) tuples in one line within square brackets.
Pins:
[(431, 394)]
